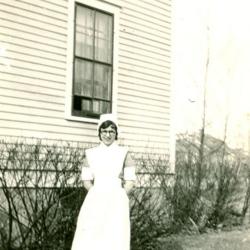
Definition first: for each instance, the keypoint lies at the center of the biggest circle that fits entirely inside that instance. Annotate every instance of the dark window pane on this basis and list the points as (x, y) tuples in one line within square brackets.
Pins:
[(103, 37), (77, 103), (84, 40), (86, 105), (102, 81), (100, 107), (83, 78), (82, 105)]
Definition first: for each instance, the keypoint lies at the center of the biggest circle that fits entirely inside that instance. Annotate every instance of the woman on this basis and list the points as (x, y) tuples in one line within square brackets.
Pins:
[(108, 174)]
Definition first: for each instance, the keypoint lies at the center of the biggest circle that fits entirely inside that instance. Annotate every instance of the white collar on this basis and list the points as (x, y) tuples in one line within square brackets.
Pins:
[(112, 146)]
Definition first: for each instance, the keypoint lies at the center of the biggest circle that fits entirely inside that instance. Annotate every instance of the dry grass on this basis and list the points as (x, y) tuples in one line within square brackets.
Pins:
[(235, 240)]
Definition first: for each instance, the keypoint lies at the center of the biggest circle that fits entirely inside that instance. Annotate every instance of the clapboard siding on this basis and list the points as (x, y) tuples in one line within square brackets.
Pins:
[(31, 96), (20, 31), (144, 66), (12, 55), (56, 124), (144, 83), (145, 51), (145, 73), (150, 149), (144, 108), (22, 13), (19, 39), (127, 70), (157, 62), (24, 72), (22, 102), (134, 97), (160, 7), (46, 123), (12, 78), (30, 132), (58, 73), (158, 99), (61, 3), (146, 89), (52, 7), (36, 7), (146, 139), (150, 115), (27, 35), (31, 88), (56, 113), (34, 73), (162, 33), (152, 15), (49, 129), (139, 56), (141, 33), (27, 94), (151, 45), (139, 121), (37, 54), (18, 69), (142, 69)]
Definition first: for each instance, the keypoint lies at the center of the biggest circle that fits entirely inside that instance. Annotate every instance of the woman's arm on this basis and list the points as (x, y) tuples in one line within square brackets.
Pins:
[(87, 175), (129, 174)]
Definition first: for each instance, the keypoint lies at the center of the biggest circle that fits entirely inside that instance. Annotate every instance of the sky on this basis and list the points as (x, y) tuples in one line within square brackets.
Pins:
[(218, 31)]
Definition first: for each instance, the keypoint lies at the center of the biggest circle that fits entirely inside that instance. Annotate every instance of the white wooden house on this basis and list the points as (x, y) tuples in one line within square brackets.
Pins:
[(63, 62)]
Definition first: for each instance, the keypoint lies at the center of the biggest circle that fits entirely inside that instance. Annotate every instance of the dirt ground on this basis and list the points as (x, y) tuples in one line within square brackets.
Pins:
[(233, 240)]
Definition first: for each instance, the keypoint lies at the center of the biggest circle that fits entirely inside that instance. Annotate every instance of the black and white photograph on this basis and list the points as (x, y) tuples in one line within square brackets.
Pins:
[(124, 125)]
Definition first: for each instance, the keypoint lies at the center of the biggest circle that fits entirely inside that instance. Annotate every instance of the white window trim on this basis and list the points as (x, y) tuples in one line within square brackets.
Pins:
[(111, 7)]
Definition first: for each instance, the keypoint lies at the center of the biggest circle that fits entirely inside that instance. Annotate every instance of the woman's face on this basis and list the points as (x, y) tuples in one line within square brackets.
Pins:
[(108, 135)]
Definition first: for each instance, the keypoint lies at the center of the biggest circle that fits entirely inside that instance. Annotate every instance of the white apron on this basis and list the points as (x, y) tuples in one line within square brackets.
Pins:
[(103, 222)]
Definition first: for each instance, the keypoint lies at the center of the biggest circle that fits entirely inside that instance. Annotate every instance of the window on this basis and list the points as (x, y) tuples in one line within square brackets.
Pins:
[(93, 62), (92, 59)]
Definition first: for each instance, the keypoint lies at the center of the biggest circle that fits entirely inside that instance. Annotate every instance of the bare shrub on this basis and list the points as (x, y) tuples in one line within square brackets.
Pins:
[(34, 180), (150, 205), (207, 194), (41, 194)]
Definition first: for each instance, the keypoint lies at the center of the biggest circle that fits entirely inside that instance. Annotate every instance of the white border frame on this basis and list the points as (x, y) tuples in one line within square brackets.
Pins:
[(112, 7)]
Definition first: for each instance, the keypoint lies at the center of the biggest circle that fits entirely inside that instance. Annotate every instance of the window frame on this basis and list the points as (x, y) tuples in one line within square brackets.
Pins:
[(103, 6)]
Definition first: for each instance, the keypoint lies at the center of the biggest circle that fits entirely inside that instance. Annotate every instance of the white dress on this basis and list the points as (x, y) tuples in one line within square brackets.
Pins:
[(103, 222)]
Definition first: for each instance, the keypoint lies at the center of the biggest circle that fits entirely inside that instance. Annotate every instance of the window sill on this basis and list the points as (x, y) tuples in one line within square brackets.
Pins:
[(81, 119)]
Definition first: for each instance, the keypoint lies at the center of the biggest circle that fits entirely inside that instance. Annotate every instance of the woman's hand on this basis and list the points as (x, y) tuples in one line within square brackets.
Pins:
[(88, 184), (128, 186)]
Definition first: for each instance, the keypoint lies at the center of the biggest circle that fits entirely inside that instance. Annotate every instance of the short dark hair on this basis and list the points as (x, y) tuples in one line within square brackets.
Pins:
[(106, 124)]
